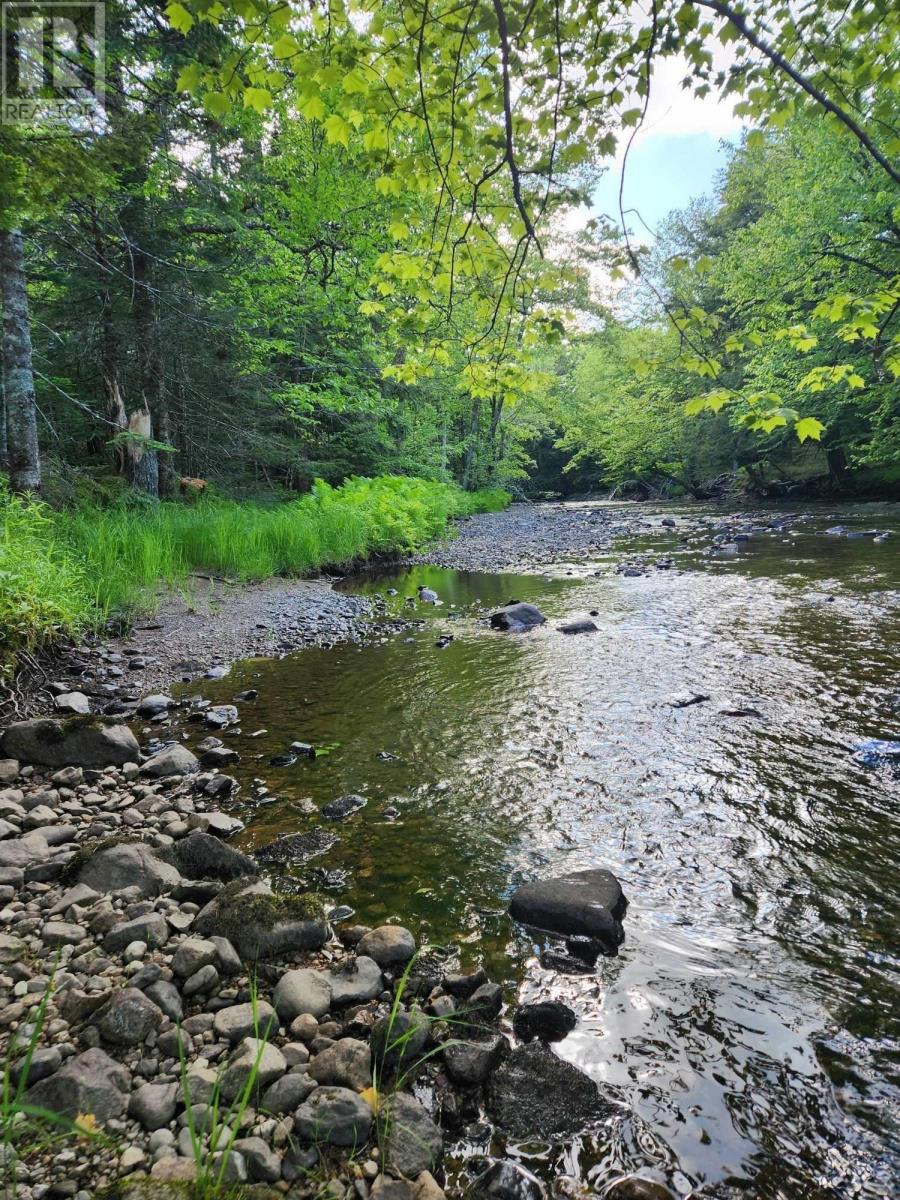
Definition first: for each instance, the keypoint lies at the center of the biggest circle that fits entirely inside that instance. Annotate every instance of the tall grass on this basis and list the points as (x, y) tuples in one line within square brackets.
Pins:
[(62, 572)]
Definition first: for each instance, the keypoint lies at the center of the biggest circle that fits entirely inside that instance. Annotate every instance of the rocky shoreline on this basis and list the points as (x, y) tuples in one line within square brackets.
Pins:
[(193, 1026)]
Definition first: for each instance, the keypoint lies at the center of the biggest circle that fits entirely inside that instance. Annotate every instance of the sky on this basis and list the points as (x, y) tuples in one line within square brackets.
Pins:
[(675, 156)]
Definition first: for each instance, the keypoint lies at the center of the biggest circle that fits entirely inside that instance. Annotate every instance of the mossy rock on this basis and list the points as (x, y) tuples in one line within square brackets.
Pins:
[(260, 924)]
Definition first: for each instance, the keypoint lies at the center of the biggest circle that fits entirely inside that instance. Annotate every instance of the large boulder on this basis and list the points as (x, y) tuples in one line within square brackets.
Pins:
[(128, 864), (589, 903), (76, 742), (536, 1094), (516, 617), (261, 925), (91, 1082), (202, 856)]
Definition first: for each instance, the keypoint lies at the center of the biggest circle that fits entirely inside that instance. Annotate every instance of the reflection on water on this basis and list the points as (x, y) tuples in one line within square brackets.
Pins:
[(749, 1026)]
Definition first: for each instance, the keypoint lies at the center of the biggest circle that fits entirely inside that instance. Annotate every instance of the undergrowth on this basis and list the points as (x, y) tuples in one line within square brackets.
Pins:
[(63, 572)]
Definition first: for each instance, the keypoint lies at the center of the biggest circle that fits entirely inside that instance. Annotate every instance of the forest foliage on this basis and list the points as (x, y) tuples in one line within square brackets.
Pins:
[(312, 241)]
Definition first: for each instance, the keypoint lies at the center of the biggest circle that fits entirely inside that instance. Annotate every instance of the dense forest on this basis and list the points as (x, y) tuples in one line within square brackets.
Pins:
[(248, 285)]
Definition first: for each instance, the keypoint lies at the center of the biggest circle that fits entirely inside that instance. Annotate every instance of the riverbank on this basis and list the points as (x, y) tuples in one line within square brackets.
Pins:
[(169, 1021), (64, 573)]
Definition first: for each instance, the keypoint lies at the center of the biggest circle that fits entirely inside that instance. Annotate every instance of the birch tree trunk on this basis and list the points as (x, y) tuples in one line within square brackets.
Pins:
[(23, 456)]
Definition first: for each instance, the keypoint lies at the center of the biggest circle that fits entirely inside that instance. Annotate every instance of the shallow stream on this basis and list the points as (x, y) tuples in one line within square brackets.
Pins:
[(749, 1029)]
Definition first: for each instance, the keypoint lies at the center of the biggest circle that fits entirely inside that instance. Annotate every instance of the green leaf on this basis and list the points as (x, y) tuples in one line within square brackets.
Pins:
[(216, 104), (179, 18), (337, 131), (285, 47), (809, 427), (258, 99)]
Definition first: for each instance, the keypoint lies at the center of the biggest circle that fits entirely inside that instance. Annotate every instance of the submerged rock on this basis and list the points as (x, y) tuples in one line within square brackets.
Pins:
[(338, 809), (202, 856), (583, 625), (534, 1093), (875, 751), (79, 742), (586, 902), (515, 617), (508, 1181), (297, 847)]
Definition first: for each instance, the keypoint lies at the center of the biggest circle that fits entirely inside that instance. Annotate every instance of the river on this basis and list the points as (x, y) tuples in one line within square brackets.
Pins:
[(748, 1032)]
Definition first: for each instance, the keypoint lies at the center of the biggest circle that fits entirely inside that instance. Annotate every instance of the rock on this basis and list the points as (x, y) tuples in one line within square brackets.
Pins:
[(253, 1058), (241, 1020), (42, 1063), (470, 1063), (399, 1039), (220, 715), (72, 702), (260, 925), (338, 809), (130, 1159), (263, 1164), (227, 958), (152, 706), (508, 1181), (335, 1115), (549, 1020), (586, 902), (632, 1187), (687, 699), (9, 770), (24, 851), (428, 1188), (91, 1082), (516, 617), (153, 1104), (77, 742), (166, 997), (297, 847), (173, 760), (191, 955), (482, 1007), (581, 626), (127, 1017), (127, 865), (203, 981), (348, 1063), (462, 986), (534, 1094), (388, 945), (61, 933), (174, 1170), (150, 928), (411, 1141), (355, 982), (203, 856), (302, 991), (385, 1188), (287, 1093), (219, 756)]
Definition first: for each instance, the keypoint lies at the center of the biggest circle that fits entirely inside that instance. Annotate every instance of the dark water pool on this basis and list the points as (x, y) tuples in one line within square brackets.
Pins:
[(750, 1026)]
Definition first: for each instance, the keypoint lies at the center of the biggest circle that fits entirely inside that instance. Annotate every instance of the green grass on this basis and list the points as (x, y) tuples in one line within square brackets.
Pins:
[(62, 572)]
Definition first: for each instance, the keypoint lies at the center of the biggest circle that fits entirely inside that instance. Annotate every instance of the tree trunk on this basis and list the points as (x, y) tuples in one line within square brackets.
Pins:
[(472, 444), (142, 464), (23, 456)]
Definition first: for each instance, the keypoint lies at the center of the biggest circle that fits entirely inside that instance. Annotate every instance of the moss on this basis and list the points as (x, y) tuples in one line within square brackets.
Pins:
[(236, 913), (87, 850)]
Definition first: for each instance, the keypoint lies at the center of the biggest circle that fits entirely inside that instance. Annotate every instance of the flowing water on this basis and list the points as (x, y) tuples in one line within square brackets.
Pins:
[(749, 1029)]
